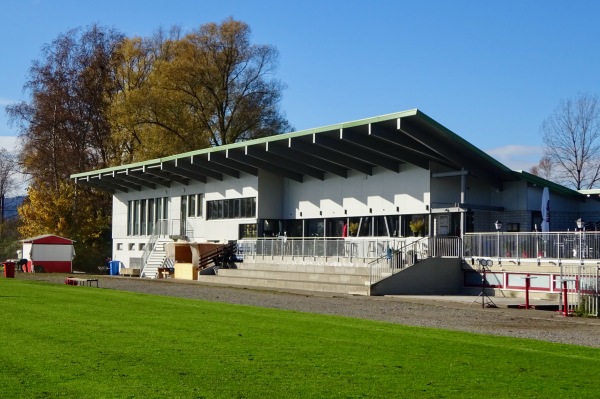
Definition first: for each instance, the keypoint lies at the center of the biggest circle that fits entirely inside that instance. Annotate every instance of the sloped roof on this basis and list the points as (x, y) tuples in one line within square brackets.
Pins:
[(554, 187), (386, 141), (48, 239)]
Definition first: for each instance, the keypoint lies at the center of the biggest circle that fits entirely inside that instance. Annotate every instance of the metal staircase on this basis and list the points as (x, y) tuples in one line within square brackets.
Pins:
[(156, 259), (154, 255)]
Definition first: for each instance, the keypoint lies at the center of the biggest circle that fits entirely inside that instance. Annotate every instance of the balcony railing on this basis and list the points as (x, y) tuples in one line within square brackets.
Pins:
[(360, 248), (560, 246)]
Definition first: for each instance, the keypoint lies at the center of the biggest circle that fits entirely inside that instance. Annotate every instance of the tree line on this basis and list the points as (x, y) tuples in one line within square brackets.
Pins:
[(100, 99)]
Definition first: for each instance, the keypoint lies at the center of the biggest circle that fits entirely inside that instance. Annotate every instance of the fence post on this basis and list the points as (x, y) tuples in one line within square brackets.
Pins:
[(565, 300)]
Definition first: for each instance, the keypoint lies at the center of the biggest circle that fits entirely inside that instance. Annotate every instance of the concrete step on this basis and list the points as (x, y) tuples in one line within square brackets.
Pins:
[(324, 278), (354, 289), (306, 268)]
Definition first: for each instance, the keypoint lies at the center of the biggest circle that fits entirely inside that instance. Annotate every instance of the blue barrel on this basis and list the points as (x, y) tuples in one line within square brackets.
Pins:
[(114, 267)]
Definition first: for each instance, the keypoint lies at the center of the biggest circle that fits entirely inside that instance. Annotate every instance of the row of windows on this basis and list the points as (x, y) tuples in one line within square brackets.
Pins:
[(231, 208), (143, 214)]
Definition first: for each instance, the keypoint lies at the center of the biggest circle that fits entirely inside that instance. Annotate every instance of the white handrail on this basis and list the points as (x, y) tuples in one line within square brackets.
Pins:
[(581, 246)]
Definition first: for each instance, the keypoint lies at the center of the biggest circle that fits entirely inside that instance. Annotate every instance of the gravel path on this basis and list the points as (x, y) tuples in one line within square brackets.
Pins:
[(424, 312)]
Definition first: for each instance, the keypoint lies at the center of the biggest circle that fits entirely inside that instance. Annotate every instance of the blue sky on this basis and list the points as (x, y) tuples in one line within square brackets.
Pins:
[(491, 71)]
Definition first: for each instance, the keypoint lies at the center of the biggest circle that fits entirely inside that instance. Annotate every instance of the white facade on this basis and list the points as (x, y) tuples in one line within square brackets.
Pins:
[(361, 178)]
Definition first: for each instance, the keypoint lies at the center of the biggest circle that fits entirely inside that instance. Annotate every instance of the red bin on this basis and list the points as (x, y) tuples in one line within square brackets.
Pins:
[(9, 269)]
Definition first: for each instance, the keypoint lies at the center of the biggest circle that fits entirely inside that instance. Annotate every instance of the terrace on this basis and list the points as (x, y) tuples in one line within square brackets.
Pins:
[(556, 248), (558, 266)]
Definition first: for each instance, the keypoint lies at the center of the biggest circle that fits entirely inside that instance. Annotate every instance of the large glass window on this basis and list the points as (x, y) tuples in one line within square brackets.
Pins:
[(231, 208), (136, 226), (247, 231), (314, 227), (199, 205), (130, 210), (294, 228), (192, 205), (143, 215), (151, 219), (380, 226), (335, 227)]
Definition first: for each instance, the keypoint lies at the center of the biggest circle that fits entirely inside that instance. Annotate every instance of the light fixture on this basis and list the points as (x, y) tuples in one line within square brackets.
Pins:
[(498, 225)]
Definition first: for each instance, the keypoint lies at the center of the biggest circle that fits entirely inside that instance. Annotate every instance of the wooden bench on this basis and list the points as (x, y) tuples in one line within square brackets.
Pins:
[(129, 271), (81, 281)]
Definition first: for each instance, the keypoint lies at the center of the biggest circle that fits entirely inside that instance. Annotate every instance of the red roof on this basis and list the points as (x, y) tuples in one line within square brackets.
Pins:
[(48, 239)]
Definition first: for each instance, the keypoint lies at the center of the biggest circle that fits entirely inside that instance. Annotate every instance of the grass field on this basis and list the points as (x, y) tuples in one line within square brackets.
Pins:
[(62, 341)]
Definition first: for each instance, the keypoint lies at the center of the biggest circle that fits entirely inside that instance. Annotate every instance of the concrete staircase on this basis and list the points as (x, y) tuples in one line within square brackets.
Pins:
[(156, 259), (352, 280)]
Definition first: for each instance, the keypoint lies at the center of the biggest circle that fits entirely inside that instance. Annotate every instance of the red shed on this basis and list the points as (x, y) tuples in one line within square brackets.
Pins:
[(49, 253)]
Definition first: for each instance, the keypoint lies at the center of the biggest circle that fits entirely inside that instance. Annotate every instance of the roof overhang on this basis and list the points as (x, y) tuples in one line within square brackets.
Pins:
[(385, 142)]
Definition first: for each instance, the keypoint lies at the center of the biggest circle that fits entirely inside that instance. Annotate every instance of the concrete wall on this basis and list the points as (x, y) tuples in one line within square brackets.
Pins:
[(270, 200), (359, 194), (430, 276), (229, 188)]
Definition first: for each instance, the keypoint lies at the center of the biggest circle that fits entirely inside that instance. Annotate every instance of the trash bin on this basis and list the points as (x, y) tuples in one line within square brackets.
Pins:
[(114, 267), (9, 269)]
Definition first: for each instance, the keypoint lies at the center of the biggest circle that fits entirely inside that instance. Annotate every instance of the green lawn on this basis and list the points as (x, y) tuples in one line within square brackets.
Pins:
[(62, 341)]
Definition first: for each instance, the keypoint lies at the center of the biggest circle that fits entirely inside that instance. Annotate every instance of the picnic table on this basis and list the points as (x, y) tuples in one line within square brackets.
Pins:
[(81, 281)]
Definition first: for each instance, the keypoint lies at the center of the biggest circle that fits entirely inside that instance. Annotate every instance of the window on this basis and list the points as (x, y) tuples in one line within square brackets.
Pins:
[(193, 204), (247, 231), (199, 205), (513, 227), (136, 226), (231, 208), (143, 215), (191, 211), (119, 246), (151, 216), (130, 211), (235, 204)]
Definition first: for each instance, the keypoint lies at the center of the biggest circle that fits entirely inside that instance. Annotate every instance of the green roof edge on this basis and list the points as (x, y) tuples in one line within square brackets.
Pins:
[(456, 137), (263, 140), (540, 181)]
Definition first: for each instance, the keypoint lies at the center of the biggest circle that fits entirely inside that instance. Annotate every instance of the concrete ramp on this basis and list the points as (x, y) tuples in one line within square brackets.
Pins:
[(439, 276)]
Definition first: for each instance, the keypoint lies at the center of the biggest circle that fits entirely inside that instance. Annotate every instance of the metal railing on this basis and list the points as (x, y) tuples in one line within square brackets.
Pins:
[(412, 252), (162, 228), (395, 260), (350, 248), (159, 230), (573, 246), (579, 289), (327, 247)]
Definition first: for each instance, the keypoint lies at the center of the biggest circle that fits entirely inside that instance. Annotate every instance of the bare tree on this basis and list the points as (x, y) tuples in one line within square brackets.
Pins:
[(572, 138), (543, 169), (8, 169), (64, 127)]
